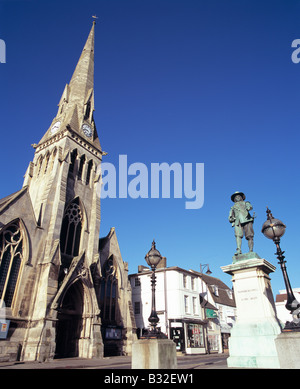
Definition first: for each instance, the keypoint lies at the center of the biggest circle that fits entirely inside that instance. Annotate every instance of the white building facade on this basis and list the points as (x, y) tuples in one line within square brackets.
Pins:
[(181, 309), (218, 302), (282, 313)]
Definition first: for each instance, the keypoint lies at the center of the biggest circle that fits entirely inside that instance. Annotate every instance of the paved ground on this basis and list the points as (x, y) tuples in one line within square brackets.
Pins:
[(211, 361)]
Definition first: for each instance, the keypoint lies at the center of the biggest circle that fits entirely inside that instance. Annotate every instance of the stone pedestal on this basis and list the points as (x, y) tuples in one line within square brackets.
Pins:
[(154, 354), (252, 340), (288, 349)]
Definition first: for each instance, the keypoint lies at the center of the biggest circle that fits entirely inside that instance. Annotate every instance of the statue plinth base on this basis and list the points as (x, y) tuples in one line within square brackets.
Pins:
[(252, 340), (243, 257), (288, 348), (154, 354)]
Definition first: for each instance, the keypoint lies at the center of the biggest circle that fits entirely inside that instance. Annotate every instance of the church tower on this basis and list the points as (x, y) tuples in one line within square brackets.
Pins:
[(63, 291), (49, 234), (64, 186), (64, 177)]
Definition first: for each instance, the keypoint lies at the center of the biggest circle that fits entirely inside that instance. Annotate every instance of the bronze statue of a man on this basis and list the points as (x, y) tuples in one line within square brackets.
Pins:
[(241, 220)]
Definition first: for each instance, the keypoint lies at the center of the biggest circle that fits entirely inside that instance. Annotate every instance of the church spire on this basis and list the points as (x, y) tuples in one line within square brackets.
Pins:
[(82, 81), (76, 106)]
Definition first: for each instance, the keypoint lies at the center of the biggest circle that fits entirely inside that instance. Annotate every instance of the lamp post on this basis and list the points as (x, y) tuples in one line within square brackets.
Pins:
[(274, 229), (153, 258), (204, 301), (203, 266)]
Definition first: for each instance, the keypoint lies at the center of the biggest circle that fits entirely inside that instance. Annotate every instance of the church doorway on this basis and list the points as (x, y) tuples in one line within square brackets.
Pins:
[(69, 324)]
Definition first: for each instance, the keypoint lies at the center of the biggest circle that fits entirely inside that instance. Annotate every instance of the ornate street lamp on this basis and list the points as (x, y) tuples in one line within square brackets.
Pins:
[(153, 258), (274, 229)]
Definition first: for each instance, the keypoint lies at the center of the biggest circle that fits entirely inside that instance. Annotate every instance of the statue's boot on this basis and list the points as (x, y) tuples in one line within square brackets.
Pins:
[(250, 244), (239, 246)]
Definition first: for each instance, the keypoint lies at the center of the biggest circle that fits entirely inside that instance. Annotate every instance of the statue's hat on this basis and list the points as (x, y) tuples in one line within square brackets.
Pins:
[(238, 193)]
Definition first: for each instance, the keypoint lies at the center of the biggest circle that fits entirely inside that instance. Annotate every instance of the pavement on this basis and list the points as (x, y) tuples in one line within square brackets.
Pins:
[(207, 361)]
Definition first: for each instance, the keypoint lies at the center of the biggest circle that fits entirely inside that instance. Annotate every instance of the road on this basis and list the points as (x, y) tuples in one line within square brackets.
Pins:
[(210, 361)]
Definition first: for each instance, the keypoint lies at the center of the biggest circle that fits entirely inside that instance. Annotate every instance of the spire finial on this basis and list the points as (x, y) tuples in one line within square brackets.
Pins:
[(94, 17)]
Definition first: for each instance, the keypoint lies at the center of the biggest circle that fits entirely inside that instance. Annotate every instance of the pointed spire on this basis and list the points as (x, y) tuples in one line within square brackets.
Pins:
[(76, 106), (82, 80)]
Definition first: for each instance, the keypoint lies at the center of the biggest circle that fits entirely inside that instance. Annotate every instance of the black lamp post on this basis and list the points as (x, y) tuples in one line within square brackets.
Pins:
[(153, 258), (274, 229)]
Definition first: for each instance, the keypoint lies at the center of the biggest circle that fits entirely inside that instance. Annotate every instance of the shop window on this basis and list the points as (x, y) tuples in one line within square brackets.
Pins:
[(213, 341), (195, 337)]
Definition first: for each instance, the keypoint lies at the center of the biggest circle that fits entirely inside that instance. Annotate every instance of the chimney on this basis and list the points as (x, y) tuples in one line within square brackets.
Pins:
[(162, 263)]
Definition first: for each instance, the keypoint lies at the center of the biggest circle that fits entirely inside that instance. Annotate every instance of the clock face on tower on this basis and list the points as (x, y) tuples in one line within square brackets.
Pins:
[(87, 130), (55, 127)]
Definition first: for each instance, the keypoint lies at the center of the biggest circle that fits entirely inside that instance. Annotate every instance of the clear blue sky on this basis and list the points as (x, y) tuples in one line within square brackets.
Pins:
[(175, 81)]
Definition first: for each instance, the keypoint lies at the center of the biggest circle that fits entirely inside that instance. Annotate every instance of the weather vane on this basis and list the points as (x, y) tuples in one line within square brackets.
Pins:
[(94, 17)]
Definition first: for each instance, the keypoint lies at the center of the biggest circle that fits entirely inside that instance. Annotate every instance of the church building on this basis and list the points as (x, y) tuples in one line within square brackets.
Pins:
[(63, 291)]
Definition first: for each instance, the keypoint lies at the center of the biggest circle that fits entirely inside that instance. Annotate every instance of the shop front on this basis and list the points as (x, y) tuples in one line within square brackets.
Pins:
[(213, 331), (188, 335)]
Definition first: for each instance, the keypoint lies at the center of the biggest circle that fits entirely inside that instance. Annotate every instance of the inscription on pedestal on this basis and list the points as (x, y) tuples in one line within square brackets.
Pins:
[(249, 296)]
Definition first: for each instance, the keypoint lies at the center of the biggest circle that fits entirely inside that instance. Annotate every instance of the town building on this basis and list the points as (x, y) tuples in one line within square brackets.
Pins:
[(283, 314), (62, 292), (215, 293), (195, 310)]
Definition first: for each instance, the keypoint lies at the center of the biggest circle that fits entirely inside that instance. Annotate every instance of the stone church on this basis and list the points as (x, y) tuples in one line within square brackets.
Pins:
[(63, 291)]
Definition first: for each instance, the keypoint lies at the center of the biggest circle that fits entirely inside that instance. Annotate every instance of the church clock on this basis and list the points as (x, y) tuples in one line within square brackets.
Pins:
[(55, 127), (87, 130)]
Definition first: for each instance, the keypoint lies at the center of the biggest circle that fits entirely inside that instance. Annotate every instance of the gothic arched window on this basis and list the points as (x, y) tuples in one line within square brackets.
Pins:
[(47, 162), (71, 229), (108, 292), (53, 155), (39, 164), (81, 165), (11, 257), (73, 160), (88, 173), (87, 110)]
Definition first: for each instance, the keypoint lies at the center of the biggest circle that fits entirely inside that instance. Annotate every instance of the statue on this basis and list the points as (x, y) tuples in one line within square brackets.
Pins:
[(242, 221)]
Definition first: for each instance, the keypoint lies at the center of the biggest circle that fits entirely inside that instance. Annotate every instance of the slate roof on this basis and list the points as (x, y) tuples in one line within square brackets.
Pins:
[(205, 304), (5, 201), (223, 290)]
